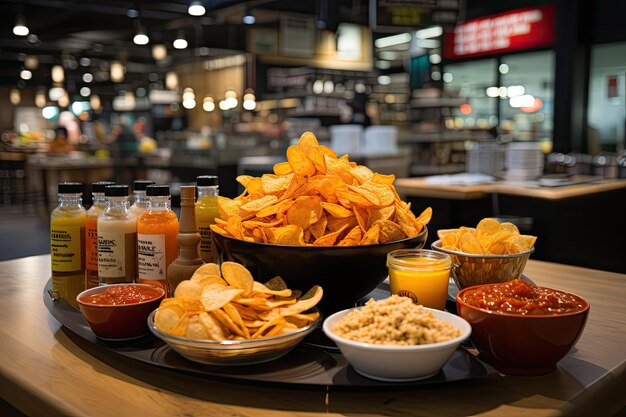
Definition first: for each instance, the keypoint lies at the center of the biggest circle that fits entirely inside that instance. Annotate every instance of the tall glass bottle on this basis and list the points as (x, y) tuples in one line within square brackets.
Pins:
[(140, 203), (188, 259), (91, 232), (157, 228), (117, 238), (67, 242), (206, 212)]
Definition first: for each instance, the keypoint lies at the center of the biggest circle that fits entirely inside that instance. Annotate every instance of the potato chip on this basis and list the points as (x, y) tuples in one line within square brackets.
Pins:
[(315, 194), (228, 323), (330, 238), (289, 235), (390, 231), (336, 210), (300, 162), (258, 287), (212, 326), (196, 329), (167, 317), (304, 303), (188, 289), (209, 280), (353, 238), (212, 298), (207, 269), (276, 284), (372, 236), (238, 276), (468, 243)]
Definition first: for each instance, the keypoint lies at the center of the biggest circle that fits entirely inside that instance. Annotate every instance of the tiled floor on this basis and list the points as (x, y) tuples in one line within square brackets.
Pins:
[(23, 232)]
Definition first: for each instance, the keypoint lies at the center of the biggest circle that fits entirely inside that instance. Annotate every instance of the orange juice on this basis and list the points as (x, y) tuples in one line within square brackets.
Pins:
[(157, 247), (421, 275)]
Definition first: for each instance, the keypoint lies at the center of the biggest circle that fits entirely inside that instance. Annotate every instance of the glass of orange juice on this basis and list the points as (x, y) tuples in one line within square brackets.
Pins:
[(420, 274)]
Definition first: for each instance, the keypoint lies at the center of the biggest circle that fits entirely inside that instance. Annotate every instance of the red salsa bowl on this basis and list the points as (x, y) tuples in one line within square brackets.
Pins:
[(520, 328), (119, 311)]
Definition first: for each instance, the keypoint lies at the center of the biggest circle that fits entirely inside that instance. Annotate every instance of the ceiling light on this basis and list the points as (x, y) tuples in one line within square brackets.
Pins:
[(26, 74), (188, 94), (393, 40), (132, 13), (384, 80), (526, 100), (85, 91), (31, 62), (435, 58), (58, 74), (180, 42), (223, 105), (492, 91), (87, 77), (515, 90), (15, 96), (432, 32), (94, 101), (141, 38), (55, 93), (159, 52), (196, 9), (117, 71), (40, 98), (503, 68), (208, 104), (189, 103), (64, 100), (171, 81), (85, 62), (20, 28), (248, 17), (50, 112), (447, 77)]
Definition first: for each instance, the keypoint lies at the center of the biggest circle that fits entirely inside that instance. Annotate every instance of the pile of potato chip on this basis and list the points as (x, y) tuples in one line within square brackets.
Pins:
[(488, 238), (316, 198), (232, 306)]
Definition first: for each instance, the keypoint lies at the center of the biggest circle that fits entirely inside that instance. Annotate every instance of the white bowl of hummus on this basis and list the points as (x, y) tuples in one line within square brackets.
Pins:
[(395, 340)]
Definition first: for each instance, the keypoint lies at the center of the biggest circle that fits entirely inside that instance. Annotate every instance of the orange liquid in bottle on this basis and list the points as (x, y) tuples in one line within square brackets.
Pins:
[(156, 246)]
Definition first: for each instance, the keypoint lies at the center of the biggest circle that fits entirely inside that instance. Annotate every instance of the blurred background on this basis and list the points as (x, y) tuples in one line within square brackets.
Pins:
[(168, 90)]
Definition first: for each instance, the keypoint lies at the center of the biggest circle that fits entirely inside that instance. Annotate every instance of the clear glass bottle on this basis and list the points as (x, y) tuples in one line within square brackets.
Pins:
[(188, 238), (67, 243), (91, 232), (140, 201), (206, 212), (157, 228), (117, 238)]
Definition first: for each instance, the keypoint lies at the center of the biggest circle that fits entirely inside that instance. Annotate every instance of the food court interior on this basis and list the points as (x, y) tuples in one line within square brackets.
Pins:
[(439, 93)]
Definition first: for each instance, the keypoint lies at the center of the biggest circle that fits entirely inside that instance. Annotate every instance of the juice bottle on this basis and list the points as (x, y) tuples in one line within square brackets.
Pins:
[(117, 238), (91, 232), (157, 228), (206, 211), (140, 203), (67, 242), (188, 238)]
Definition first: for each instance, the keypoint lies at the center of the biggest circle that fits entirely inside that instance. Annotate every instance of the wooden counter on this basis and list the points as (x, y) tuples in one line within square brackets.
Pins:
[(44, 371), (418, 187)]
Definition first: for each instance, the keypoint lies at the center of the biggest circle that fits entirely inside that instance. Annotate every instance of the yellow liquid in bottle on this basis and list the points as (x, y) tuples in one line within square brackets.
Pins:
[(67, 253), (424, 280), (206, 212)]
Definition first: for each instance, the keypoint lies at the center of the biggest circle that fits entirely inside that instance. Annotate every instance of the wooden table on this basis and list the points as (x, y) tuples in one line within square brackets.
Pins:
[(44, 372), (581, 186)]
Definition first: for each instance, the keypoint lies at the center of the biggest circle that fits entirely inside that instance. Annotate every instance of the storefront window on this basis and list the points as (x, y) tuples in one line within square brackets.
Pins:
[(607, 108), (526, 95), (469, 82)]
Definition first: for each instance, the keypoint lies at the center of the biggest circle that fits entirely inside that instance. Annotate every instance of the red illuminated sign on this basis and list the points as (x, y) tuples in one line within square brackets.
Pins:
[(511, 31)]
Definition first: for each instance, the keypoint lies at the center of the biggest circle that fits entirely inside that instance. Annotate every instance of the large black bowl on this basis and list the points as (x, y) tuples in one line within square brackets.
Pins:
[(346, 273)]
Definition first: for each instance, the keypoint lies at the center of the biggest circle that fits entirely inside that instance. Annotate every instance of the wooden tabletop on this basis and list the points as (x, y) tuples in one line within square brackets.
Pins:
[(44, 371), (418, 187)]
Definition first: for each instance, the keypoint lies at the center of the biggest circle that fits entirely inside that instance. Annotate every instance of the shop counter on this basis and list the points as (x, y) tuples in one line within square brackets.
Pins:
[(581, 223), (45, 371)]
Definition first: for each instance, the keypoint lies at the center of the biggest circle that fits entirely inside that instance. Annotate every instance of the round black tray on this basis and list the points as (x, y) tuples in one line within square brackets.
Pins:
[(314, 362)]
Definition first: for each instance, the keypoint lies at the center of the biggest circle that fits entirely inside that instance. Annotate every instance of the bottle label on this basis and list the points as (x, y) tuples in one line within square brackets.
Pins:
[(91, 244), (207, 249), (116, 255), (65, 248), (151, 256)]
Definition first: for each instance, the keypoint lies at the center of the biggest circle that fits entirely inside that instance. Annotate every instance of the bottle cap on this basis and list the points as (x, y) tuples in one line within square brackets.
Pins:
[(98, 187), (140, 185), (70, 188), (207, 181), (158, 190), (116, 191)]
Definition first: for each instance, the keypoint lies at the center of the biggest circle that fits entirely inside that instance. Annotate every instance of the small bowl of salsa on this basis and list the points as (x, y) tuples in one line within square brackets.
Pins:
[(120, 311), (520, 328)]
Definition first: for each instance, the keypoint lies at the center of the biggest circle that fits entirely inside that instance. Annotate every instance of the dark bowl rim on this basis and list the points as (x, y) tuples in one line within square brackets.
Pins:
[(223, 344), (90, 290), (521, 316), (435, 246), (334, 247)]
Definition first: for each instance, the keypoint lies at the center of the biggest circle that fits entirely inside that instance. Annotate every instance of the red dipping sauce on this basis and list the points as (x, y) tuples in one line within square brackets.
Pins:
[(123, 294), (521, 297)]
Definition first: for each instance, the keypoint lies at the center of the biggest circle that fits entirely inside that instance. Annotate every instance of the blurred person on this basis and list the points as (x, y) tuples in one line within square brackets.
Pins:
[(60, 142), (124, 149)]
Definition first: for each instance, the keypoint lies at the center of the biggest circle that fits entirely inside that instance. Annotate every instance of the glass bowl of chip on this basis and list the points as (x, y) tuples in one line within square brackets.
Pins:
[(235, 352)]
